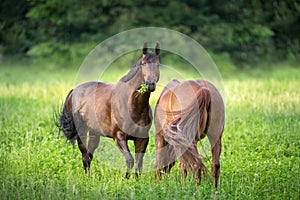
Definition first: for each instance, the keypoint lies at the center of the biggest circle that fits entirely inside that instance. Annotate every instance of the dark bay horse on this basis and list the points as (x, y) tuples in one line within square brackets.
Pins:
[(185, 113), (119, 111)]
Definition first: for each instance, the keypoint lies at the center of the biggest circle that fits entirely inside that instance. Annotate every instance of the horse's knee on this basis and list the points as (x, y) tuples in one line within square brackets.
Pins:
[(91, 156), (130, 162)]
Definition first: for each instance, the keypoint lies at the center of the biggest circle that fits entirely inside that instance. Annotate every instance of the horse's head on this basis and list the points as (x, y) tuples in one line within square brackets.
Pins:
[(150, 67)]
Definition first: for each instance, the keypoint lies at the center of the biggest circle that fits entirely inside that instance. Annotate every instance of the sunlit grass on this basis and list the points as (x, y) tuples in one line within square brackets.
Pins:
[(260, 157)]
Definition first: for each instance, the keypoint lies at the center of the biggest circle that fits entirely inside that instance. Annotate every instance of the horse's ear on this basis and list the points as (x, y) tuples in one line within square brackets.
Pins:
[(157, 49), (145, 48)]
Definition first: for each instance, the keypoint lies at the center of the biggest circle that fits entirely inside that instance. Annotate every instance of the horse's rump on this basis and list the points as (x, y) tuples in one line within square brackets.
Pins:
[(188, 124), (182, 114)]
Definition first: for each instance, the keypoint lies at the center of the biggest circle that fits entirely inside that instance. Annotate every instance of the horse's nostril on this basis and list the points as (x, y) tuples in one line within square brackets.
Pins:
[(151, 85)]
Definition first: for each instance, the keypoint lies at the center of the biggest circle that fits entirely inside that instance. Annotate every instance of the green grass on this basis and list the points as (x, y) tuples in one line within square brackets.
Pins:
[(261, 142)]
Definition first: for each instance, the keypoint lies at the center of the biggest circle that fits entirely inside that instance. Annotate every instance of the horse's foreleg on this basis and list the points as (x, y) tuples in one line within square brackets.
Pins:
[(160, 143), (165, 156), (121, 142), (140, 149), (86, 160), (216, 151)]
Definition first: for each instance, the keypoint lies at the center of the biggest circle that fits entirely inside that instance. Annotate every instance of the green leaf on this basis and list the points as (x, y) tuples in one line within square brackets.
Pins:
[(142, 89)]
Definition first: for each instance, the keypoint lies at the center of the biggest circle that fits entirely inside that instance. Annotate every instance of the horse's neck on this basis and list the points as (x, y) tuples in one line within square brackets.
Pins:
[(130, 109), (138, 103)]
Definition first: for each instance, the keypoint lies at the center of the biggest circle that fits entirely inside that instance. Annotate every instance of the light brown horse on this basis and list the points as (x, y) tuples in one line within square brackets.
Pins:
[(185, 113), (119, 111)]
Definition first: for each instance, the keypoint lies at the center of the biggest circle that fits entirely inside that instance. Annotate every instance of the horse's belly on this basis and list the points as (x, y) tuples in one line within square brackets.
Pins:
[(97, 127), (98, 120)]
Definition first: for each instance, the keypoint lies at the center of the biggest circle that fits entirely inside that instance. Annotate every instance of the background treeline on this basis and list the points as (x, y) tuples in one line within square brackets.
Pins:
[(247, 31)]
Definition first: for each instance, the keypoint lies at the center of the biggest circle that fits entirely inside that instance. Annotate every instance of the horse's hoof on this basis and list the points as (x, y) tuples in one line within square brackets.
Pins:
[(127, 175), (137, 175), (87, 170), (216, 193)]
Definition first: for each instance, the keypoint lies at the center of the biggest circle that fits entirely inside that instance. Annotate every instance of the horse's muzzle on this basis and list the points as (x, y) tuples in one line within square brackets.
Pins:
[(151, 85)]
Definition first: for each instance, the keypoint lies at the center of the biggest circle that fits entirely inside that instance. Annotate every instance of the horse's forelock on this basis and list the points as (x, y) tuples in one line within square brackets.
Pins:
[(147, 57)]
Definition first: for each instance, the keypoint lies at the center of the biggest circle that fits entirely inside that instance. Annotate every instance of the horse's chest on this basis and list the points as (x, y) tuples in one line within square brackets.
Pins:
[(132, 119), (142, 118)]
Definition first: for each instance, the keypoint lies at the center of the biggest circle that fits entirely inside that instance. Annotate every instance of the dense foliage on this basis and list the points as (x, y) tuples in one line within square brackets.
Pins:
[(246, 30)]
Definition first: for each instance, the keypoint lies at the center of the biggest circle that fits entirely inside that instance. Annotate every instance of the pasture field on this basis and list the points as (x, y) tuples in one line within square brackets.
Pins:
[(261, 143)]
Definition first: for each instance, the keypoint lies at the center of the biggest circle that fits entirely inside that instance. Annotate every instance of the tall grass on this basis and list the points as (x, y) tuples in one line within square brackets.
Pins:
[(260, 157)]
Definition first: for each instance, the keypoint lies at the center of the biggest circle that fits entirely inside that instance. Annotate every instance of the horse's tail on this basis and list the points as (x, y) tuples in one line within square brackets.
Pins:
[(67, 124), (184, 131)]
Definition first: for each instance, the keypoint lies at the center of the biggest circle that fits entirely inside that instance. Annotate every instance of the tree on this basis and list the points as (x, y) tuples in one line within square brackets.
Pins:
[(13, 26), (247, 30)]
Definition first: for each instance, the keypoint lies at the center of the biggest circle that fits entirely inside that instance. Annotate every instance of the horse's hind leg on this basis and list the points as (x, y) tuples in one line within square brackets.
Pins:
[(121, 142), (216, 151), (93, 143), (86, 160), (140, 149), (191, 161)]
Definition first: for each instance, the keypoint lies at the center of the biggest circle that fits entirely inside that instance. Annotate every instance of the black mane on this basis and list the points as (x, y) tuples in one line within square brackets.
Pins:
[(131, 73)]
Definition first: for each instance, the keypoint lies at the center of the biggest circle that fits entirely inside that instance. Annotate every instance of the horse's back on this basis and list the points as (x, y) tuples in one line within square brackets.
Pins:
[(177, 95), (92, 92)]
